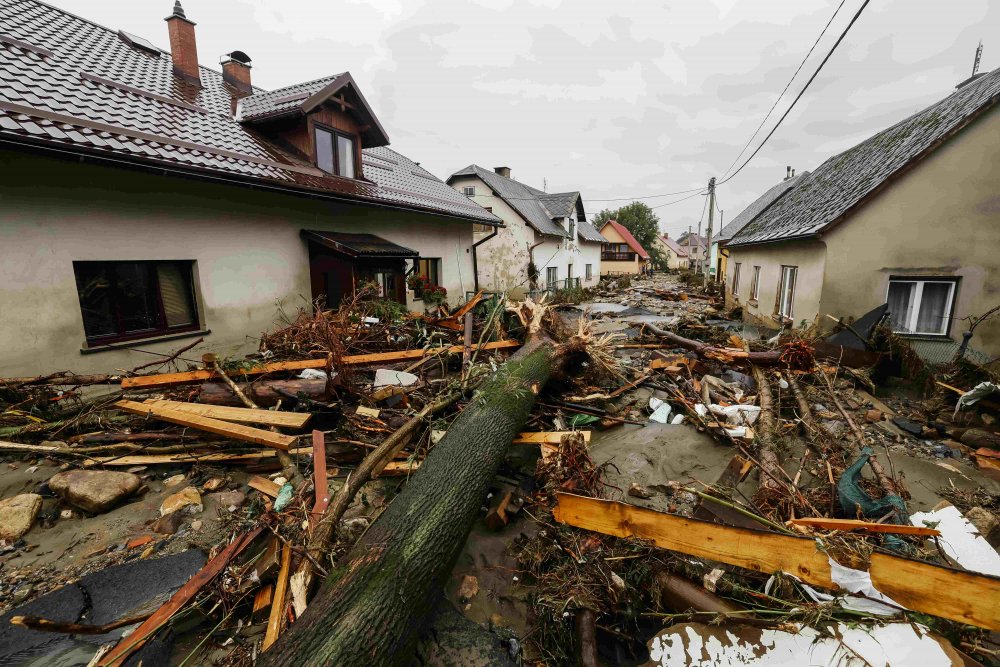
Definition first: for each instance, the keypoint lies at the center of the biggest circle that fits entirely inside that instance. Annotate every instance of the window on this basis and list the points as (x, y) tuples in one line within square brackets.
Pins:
[(588, 271), (431, 269), (469, 191), (571, 223), (736, 279), (755, 283), (335, 152), (131, 300), (551, 276), (921, 306), (476, 227), (786, 290)]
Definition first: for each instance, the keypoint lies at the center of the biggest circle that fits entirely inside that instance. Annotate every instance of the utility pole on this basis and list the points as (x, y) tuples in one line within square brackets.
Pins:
[(708, 239)]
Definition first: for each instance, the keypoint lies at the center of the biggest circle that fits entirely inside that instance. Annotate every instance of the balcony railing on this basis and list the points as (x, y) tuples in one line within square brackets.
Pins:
[(618, 256)]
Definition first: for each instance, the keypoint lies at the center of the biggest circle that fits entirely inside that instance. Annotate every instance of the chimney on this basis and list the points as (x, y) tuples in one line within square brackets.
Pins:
[(503, 171), (788, 172), (236, 71), (183, 48)]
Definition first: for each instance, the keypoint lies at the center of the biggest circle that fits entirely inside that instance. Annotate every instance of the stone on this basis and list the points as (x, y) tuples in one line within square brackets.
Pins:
[(17, 513), (835, 428), (167, 525), (232, 499), (873, 416), (468, 588), (214, 483), (910, 427), (186, 500), (94, 491), (176, 480), (196, 525), (637, 491)]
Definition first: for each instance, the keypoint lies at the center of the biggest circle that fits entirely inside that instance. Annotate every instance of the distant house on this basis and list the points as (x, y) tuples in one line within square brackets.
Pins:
[(695, 247), (147, 198), (676, 256), (548, 231), (719, 260), (909, 217), (621, 253)]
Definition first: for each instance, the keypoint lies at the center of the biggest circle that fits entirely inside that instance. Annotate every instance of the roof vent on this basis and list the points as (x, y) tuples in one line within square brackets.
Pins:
[(139, 43)]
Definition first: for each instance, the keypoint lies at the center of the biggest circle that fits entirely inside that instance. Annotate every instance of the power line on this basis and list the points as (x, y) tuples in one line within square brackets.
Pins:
[(678, 201), (801, 92), (787, 86)]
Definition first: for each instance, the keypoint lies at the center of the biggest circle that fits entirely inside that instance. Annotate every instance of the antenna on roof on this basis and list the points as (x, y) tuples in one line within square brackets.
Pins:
[(979, 55), (545, 184)]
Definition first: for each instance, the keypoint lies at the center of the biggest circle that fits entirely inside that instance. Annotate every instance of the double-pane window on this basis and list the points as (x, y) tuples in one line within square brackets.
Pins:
[(335, 152)]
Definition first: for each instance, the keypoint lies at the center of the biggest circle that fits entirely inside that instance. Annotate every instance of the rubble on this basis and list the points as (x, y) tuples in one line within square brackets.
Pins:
[(767, 480)]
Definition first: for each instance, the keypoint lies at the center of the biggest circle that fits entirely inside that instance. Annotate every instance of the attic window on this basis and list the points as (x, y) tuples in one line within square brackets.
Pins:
[(335, 152), (137, 42)]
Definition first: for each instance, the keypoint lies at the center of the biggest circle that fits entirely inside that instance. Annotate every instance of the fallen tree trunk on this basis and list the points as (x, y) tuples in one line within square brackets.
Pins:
[(790, 355), (371, 609), (767, 441), (263, 394)]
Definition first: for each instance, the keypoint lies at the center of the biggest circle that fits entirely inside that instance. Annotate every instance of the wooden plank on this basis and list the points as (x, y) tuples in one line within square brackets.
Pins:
[(399, 468), (217, 426), (262, 600), (264, 485), (187, 377), (966, 597), (241, 415), (867, 526), (546, 437), (321, 484), (138, 637), (18, 447), (275, 620), (184, 457)]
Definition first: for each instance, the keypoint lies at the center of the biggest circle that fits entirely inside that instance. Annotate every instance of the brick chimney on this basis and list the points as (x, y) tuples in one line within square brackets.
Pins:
[(503, 171), (236, 71), (183, 48)]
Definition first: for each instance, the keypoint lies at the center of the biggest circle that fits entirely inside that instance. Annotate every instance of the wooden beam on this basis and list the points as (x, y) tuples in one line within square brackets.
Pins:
[(241, 415), (264, 485), (187, 377), (276, 619), (217, 426), (546, 437), (184, 457), (159, 618), (18, 447), (867, 526), (399, 468), (966, 597), (321, 484)]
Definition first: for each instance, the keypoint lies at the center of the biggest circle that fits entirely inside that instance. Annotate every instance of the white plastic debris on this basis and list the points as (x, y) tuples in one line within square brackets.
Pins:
[(737, 415), (979, 391), (436, 436), (312, 374), (385, 378), (783, 383), (700, 409), (961, 540), (678, 419), (661, 410), (370, 320)]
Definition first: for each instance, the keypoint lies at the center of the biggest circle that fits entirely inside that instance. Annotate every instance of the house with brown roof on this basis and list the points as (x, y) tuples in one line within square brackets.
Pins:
[(909, 218), (545, 242), (622, 253), (147, 197), (675, 254)]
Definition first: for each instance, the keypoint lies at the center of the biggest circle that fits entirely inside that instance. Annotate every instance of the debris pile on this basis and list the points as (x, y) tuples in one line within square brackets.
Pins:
[(623, 481)]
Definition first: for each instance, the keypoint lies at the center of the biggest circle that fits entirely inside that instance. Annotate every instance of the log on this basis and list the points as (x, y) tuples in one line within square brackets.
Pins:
[(372, 607), (767, 441), (264, 394), (978, 439), (706, 351)]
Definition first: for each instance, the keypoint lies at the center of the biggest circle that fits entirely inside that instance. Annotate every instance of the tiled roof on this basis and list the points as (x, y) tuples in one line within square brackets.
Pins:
[(559, 205), (588, 232), (672, 244), (273, 103), (70, 84), (521, 198), (843, 181), (758, 206), (359, 245), (628, 238)]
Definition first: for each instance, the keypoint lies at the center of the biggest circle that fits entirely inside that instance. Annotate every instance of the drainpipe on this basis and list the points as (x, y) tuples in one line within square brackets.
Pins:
[(475, 260)]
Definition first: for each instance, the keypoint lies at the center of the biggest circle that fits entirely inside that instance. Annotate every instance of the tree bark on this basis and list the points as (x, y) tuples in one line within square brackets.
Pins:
[(766, 436), (371, 608), (706, 351), (264, 394)]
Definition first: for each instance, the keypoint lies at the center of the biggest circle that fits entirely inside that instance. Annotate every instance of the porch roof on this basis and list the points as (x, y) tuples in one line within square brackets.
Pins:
[(359, 245)]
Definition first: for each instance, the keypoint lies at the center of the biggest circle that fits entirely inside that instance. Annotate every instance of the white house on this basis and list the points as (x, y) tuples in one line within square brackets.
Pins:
[(546, 230)]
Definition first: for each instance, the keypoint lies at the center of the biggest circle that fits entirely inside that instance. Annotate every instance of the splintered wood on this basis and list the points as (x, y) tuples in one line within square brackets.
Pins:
[(242, 415), (217, 426), (961, 596)]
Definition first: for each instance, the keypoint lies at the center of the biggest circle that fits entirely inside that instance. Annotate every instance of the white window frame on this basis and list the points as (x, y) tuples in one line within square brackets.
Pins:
[(755, 284), (469, 190), (786, 285), (736, 278), (588, 271), (551, 277), (917, 296)]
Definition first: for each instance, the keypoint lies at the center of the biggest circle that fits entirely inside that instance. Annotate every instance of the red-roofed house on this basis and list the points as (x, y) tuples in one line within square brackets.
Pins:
[(622, 253)]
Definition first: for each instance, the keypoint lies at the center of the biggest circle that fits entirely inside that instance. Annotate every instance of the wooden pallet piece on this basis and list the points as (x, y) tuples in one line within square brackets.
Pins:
[(231, 414), (217, 426)]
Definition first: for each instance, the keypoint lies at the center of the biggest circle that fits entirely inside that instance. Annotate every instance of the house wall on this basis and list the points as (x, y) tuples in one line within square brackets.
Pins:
[(942, 218), (503, 260), (610, 267), (808, 256), (251, 265)]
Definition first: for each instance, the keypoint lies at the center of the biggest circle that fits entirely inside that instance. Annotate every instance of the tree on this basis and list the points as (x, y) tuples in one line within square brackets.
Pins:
[(643, 224)]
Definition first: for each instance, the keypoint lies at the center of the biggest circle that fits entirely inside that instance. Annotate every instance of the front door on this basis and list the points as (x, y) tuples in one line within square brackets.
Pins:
[(334, 276)]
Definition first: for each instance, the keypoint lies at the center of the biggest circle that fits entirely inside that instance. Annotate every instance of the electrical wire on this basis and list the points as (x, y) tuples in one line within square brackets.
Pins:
[(678, 201), (801, 92), (787, 86)]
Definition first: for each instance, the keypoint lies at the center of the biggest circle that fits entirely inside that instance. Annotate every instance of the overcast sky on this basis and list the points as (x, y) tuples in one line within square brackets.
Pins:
[(615, 99)]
